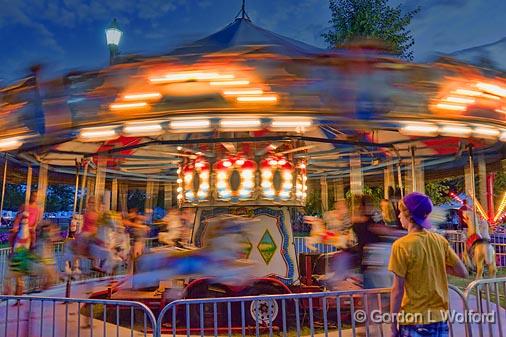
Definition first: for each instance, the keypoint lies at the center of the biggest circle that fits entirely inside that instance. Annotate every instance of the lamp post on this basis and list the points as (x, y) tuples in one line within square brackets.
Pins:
[(113, 36)]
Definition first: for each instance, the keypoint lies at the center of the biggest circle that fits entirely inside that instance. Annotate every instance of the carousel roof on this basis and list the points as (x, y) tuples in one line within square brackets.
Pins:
[(243, 33)]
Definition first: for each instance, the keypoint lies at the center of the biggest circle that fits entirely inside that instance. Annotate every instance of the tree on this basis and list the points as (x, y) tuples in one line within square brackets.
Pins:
[(370, 19), (14, 196), (59, 198)]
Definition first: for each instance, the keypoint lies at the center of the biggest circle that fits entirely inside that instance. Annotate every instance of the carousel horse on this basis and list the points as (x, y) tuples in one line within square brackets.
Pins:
[(320, 235), (479, 252), (220, 258), (22, 259), (173, 231), (45, 266), (110, 245)]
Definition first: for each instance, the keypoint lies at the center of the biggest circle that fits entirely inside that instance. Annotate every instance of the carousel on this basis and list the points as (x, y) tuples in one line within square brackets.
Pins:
[(245, 122)]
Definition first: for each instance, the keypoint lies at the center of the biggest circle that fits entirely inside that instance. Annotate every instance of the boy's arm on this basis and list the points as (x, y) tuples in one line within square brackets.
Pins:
[(395, 301)]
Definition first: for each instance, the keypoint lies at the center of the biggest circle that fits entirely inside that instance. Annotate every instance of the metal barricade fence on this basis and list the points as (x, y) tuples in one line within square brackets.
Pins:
[(457, 240), (487, 298), (499, 242), (300, 246), (349, 313), (51, 316)]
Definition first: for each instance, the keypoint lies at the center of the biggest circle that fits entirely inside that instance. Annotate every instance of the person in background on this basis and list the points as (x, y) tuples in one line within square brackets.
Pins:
[(90, 218), (362, 224), (464, 216), (338, 220), (420, 262), (33, 215), (134, 222), (388, 213), (87, 236)]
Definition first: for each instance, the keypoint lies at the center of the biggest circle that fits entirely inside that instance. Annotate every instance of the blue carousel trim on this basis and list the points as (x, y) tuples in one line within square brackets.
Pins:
[(205, 215), (278, 213)]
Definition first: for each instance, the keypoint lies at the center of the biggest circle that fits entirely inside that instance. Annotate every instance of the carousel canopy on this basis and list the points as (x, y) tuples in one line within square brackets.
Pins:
[(143, 119), (241, 33)]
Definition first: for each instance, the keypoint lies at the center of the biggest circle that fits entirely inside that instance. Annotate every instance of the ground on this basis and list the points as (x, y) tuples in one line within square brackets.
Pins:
[(463, 283)]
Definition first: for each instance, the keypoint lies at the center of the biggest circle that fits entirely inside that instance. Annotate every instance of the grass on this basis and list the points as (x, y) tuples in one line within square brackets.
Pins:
[(462, 283)]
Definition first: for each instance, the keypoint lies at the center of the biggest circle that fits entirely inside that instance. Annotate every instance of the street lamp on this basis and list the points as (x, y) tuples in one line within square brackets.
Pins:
[(113, 36)]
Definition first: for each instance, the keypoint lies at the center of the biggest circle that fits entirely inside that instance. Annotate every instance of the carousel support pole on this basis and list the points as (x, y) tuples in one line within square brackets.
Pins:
[(324, 194), (28, 186), (490, 195), (123, 195), (83, 186), (356, 178), (338, 189), (76, 187), (482, 180), (4, 183), (42, 187), (389, 181), (114, 194), (472, 183), (399, 178), (100, 181), (413, 170)]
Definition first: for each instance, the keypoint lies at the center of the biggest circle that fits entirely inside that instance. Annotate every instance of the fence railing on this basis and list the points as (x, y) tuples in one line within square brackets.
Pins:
[(51, 316), (487, 297), (336, 313), (361, 312)]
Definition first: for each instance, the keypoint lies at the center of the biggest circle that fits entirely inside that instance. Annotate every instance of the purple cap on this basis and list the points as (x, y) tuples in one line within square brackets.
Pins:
[(419, 206)]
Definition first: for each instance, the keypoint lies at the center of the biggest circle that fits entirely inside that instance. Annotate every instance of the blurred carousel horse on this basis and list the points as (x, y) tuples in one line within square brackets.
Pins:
[(110, 245), (220, 258), (320, 235), (45, 266), (479, 252), (22, 260)]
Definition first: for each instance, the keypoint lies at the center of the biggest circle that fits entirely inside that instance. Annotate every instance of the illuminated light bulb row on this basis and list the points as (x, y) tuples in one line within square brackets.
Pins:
[(179, 182), (500, 219), (186, 188), (301, 184), (480, 209), (287, 185), (247, 184), (460, 99), (203, 190), (12, 143), (190, 76), (154, 128), (452, 130), (500, 209), (456, 197), (246, 169), (271, 165)]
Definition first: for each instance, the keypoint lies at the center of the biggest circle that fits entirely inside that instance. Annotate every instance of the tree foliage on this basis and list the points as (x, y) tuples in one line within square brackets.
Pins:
[(439, 190), (59, 198), (376, 193), (499, 184), (370, 19)]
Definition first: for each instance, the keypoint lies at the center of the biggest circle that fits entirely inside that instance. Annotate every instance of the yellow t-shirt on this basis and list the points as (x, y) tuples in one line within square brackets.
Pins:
[(421, 259)]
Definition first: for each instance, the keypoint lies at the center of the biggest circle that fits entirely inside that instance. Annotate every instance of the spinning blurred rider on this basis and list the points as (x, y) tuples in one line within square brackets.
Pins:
[(134, 222), (33, 216), (176, 229)]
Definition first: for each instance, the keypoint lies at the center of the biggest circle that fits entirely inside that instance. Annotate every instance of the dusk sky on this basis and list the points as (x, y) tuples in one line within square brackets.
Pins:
[(69, 34)]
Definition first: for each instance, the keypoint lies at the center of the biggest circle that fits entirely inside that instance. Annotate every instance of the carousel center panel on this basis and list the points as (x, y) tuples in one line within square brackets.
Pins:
[(268, 242)]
